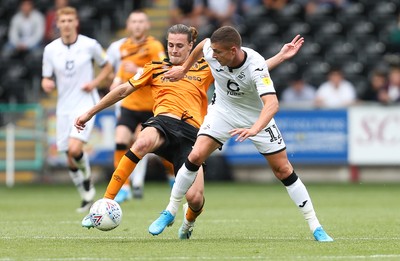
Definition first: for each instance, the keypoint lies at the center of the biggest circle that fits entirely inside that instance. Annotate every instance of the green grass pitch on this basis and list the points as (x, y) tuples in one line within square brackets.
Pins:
[(240, 222)]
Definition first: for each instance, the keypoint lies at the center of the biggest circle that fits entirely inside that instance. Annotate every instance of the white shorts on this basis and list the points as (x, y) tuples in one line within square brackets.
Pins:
[(217, 126), (65, 129)]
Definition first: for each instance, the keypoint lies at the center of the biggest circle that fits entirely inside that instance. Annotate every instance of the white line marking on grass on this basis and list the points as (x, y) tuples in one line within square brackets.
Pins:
[(379, 257), (358, 257)]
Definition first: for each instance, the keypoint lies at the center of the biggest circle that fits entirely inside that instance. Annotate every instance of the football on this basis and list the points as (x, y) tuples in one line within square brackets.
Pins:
[(105, 214)]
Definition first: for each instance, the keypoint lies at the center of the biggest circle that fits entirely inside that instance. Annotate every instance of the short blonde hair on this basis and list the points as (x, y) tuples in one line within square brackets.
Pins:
[(68, 10)]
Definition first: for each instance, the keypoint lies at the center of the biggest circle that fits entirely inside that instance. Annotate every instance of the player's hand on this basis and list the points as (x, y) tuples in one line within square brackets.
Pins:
[(48, 85), (175, 73), (80, 122), (242, 134), (290, 49), (130, 67), (88, 87)]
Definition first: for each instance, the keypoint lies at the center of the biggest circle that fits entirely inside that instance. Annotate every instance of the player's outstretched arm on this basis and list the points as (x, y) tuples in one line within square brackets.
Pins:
[(178, 72), (288, 51), (111, 98)]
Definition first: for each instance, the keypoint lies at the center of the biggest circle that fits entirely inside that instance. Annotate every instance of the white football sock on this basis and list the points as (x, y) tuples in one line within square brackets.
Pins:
[(183, 180), (139, 173), (84, 165), (298, 193), (77, 179)]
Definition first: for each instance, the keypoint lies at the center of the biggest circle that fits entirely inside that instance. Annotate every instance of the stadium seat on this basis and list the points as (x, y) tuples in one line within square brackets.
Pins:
[(302, 28), (353, 13), (339, 52), (316, 73), (371, 51), (383, 11), (328, 33), (361, 32)]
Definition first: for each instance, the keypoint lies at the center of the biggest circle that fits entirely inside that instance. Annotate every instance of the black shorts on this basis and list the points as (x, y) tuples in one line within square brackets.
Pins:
[(132, 119), (179, 139)]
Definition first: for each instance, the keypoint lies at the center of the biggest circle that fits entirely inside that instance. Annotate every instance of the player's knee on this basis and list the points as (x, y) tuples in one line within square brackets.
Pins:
[(195, 198), (195, 158), (74, 152), (283, 171), (141, 146)]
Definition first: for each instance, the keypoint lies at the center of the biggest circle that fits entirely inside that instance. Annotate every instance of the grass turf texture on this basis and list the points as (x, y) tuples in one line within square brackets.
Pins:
[(240, 222)]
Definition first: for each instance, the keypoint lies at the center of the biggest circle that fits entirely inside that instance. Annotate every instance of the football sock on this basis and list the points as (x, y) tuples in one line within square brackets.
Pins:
[(77, 178), (120, 150), (184, 179), (125, 167), (298, 193), (82, 162), (191, 214), (139, 174)]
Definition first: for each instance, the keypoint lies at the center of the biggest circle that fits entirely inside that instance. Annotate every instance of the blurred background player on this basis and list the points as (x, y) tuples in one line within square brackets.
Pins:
[(69, 60), (134, 52)]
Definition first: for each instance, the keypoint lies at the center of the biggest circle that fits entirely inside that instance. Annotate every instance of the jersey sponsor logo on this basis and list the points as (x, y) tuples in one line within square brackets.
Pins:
[(233, 89), (192, 78), (187, 77)]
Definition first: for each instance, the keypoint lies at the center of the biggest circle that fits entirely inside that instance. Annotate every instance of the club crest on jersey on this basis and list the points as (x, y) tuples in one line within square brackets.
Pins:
[(241, 76)]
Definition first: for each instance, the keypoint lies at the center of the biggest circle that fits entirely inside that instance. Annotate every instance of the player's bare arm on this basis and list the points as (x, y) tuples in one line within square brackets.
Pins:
[(111, 98), (103, 74), (48, 84), (271, 107), (288, 51), (178, 72)]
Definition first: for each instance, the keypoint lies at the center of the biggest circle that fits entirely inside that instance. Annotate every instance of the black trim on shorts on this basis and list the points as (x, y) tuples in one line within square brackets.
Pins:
[(272, 153), (220, 143)]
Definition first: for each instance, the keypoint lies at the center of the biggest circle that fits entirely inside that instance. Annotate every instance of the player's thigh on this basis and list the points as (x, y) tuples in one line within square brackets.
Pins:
[(75, 146), (148, 140), (203, 148), (123, 135)]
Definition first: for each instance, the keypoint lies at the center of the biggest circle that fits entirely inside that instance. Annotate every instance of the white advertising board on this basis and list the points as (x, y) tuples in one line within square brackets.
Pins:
[(374, 135)]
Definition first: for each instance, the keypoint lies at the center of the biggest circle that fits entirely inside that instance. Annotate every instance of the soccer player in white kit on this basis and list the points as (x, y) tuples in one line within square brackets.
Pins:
[(243, 105), (67, 66)]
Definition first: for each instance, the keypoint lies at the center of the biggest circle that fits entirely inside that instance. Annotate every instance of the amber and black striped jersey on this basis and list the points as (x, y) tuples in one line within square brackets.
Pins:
[(186, 98), (140, 54)]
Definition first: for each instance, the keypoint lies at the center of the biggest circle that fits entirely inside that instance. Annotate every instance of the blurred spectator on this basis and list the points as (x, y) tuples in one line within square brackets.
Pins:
[(394, 84), (378, 85), (187, 12), (274, 5), (51, 30), (315, 6), (299, 93), (26, 30), (336, 92), (221, 12)]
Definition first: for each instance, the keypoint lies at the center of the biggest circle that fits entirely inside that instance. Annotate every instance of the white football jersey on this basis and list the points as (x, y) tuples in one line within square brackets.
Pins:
[(238, 90), (72, 67), (114, 53)]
